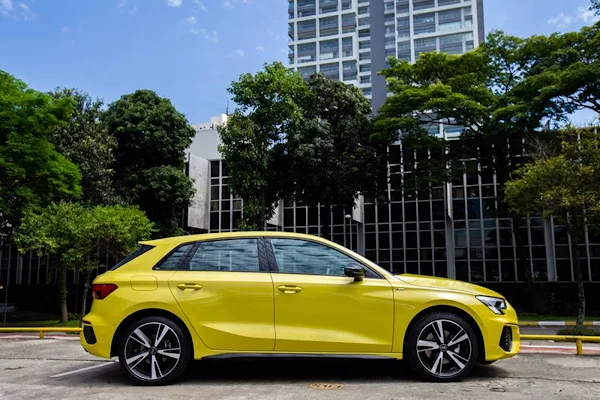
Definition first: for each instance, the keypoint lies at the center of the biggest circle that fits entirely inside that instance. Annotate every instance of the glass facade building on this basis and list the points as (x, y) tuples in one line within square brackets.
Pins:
[(350, 40)]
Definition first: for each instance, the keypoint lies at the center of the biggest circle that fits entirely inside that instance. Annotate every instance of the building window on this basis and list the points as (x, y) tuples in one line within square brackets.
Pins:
[(307, 72), (365, 79), (306, 8), (348, 23), (307, 29), (365, 68), (307, 52), (349, 70), (328, 6), (329, 50), (331, 71), (328, 26)]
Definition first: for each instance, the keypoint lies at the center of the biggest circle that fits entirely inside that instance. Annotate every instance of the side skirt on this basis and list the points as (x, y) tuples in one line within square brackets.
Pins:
[(225, 356)]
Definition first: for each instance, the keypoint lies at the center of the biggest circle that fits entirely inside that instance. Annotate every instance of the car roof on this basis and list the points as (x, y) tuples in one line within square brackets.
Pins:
[(228, 235)]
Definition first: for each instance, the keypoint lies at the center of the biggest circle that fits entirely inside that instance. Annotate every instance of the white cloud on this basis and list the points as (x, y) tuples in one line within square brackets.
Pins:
[(200, 5), (191, 20), (228, 4), (133, 10), (240, 52), (260, 48), (174, 3), (17, 11), (586, 15), (583, 14), (64, 29), (562, 20), (6, 7), (232, 3), (209, 36), (122, 3)]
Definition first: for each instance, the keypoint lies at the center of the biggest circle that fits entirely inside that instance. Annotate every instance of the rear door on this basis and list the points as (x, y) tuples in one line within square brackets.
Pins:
[(226, 292)]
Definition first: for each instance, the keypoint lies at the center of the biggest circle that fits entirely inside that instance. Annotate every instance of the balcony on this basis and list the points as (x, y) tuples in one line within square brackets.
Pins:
[(327, 6), (349, 71), (348, 23), (306, 8), (307, 30), (307, 72), (402, 7), (331, 71), (423, 4), (329, 26)]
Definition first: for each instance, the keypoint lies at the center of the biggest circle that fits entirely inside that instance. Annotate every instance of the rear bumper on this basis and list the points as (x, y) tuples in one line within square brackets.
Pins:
[(102, 333)]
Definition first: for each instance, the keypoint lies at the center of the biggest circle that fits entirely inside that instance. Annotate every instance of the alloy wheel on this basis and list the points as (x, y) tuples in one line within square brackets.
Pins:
[(152, 351), (444, 348)]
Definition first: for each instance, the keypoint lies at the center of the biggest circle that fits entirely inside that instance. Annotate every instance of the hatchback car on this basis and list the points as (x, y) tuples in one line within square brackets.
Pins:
[(270, 293)]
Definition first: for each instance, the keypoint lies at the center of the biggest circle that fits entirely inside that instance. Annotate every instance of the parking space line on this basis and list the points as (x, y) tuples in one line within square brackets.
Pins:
[(76, 371)]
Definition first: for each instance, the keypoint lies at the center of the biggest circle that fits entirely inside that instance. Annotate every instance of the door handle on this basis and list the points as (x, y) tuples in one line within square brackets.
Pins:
[(189, 286), (289, 289)]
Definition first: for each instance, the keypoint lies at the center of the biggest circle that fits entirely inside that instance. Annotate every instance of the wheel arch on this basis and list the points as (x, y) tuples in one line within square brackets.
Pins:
[(148, 312), (459, 312)]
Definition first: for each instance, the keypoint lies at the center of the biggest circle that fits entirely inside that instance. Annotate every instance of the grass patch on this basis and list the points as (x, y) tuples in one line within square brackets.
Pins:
[(29, 319), (578, 332)]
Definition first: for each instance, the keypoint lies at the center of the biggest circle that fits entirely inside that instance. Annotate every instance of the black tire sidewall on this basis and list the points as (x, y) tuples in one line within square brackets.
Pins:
[(410, 347), (186, 350)]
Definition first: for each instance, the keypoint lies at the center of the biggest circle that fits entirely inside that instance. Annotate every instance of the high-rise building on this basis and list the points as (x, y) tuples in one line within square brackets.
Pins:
[(350, 40)]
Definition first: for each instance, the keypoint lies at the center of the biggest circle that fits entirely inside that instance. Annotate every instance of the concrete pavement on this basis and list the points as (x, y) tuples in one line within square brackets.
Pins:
[(60, 369)]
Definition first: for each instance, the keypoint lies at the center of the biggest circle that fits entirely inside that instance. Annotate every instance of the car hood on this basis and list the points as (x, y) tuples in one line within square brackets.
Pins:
[(447, 284)]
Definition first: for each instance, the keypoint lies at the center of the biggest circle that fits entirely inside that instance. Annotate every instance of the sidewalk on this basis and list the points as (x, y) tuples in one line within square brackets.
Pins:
[(556, 323), (551, 347)]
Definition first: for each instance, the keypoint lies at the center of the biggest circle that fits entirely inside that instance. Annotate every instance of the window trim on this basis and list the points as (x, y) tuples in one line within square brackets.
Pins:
[(156, 266), (273, 265), (262, 257)]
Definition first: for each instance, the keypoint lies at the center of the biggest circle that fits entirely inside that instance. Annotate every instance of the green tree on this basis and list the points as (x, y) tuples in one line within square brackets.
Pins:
[(85, 141), (595, 6), (32, 173), (334, 155), (569, 77), (78, 235), (152, 137), (566, 187), (482, 93), (255, 139)]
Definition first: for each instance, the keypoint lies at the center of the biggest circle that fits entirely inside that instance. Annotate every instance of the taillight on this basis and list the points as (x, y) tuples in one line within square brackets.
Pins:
[(101, 290)]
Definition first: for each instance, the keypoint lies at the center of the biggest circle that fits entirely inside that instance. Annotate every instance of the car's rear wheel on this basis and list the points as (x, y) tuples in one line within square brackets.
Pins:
[(154, 350), (441, 347)]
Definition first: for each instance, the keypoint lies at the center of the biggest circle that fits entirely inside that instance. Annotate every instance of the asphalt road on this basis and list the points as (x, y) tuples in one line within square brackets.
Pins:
[(60, 369)]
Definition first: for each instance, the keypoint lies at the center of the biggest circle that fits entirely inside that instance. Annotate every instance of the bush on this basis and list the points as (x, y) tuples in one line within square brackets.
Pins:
[(578, 332)]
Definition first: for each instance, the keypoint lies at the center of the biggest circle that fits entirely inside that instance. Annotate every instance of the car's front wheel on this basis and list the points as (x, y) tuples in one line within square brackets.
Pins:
[(441, 347), (154, 350)]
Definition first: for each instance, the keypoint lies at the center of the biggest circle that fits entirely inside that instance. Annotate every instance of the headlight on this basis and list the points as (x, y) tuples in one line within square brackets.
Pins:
[(494, 303)]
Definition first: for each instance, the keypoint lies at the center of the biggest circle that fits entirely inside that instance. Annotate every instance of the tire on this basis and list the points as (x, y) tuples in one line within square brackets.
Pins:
[(448, 357), (147, 362)]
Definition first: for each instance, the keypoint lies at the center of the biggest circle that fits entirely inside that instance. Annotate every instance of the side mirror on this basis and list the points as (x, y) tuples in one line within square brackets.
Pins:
[(355, 271)]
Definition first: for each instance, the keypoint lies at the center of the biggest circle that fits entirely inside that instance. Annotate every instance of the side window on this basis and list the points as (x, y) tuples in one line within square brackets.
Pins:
[(235, 255), (296, 256), (174, 260)]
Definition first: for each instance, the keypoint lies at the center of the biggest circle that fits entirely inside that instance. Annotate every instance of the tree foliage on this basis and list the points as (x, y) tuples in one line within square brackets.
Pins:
[(79, 236), (152, 137), (566, 187), (255, 139), (85, 141), (32, 173), (312, 141)]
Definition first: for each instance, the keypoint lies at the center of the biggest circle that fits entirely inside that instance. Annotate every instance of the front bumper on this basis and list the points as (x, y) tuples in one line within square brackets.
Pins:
[(502, 337)]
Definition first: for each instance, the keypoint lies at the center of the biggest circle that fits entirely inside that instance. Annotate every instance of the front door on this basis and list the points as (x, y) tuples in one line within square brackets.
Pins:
[(227, 294), (319, 309)]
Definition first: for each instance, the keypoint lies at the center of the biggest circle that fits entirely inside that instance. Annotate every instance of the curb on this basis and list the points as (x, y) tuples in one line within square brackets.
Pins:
[(544, 324)]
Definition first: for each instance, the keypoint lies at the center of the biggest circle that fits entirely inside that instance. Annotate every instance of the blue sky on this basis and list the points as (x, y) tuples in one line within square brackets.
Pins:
[(188, 50)]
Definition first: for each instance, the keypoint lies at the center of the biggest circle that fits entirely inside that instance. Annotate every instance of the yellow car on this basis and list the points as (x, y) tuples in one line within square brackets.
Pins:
[(271, 293)]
